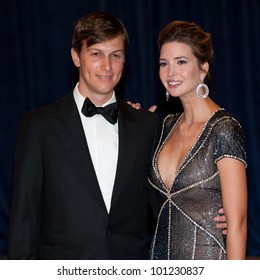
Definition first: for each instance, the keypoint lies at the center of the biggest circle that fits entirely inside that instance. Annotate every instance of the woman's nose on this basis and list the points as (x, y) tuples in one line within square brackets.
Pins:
[(171, 71)]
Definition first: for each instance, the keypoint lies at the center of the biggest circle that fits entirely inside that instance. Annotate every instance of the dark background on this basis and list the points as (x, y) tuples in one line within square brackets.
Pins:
[(36, 68)]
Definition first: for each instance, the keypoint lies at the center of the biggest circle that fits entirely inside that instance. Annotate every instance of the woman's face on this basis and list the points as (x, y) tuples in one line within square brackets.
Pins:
[(179, 69)]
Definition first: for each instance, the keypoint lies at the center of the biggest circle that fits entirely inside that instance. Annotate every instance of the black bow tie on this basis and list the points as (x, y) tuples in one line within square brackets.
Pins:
[(109, 112)]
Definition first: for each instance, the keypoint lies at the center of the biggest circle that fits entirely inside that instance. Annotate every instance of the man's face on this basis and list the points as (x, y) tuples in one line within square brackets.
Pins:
[(100, 68)]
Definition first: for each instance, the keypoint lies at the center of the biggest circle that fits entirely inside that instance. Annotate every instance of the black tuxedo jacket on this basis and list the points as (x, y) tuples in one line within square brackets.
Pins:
[(58, 210)]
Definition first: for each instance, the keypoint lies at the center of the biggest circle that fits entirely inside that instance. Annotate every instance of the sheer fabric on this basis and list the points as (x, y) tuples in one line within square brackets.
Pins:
[(185, 227)]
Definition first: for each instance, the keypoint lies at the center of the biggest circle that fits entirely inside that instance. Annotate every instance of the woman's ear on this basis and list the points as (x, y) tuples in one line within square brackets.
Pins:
[(75, 57), (204, 70)]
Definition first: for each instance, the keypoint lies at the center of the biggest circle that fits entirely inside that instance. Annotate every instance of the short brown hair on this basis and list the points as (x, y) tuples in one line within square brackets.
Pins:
[(98, 27)]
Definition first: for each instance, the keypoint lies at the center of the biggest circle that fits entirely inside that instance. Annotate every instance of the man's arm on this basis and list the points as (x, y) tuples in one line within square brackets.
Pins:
[(27, 194)]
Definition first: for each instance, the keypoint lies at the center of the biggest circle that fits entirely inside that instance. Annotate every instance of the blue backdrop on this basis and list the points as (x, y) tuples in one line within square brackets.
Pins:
[(36, 69)]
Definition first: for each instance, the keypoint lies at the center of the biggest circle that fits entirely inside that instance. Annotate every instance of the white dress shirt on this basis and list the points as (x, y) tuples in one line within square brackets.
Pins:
[(102, 139)]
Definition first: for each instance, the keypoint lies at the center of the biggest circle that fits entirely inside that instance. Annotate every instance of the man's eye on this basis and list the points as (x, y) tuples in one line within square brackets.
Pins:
[(116, 55)]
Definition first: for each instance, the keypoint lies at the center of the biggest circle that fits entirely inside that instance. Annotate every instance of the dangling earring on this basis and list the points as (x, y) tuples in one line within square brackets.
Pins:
[(205, 95), (167, 96)]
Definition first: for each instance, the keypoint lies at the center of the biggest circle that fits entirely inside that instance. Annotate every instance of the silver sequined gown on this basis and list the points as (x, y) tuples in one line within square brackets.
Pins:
[(185, 227)]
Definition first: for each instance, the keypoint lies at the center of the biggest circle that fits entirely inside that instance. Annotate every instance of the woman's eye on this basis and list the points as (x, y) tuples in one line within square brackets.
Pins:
[(181, 62), (162, 64)]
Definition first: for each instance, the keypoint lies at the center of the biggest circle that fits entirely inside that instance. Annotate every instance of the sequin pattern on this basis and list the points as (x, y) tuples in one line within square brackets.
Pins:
[(185, 227)]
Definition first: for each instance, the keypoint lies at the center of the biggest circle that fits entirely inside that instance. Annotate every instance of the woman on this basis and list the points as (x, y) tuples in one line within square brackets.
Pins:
[(199, 164)]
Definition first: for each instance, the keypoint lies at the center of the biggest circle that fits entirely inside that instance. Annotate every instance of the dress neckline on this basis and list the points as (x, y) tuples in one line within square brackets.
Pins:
[(185, 160)]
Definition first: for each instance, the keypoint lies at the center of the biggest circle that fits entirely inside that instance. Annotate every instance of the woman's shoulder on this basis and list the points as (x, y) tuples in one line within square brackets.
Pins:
[(172, 118), (228, 137), (223, 120)]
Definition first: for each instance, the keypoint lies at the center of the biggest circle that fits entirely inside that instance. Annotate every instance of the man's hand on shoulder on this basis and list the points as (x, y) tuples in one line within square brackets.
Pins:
[(138, 106)]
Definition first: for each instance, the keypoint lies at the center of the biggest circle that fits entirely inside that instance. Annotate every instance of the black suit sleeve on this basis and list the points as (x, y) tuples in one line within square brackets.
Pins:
[(27, 194)]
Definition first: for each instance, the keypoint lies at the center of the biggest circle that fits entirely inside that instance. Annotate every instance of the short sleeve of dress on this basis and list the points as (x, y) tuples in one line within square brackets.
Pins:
[(229, 140)]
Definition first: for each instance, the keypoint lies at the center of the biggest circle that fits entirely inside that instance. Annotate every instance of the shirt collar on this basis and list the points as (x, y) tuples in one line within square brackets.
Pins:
[(79, 98)]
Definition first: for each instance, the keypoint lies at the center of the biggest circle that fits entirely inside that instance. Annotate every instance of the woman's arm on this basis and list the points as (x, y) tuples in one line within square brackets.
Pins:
[(234, 195)]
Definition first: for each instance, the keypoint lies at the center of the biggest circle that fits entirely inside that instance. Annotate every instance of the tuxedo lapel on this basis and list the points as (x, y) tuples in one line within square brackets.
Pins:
[(69, 128), (128, 140)]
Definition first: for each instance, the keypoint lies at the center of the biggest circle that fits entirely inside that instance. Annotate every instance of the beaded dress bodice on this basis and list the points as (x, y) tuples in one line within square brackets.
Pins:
[(185, 227)]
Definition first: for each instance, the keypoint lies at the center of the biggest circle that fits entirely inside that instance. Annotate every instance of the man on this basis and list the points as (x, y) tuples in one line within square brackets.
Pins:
[(80, 186)]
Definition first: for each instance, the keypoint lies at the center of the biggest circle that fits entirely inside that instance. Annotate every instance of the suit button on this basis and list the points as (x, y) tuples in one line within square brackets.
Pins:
[(109, 232)]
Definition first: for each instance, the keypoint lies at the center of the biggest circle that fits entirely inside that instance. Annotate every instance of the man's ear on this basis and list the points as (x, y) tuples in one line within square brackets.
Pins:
[(75, 57)]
